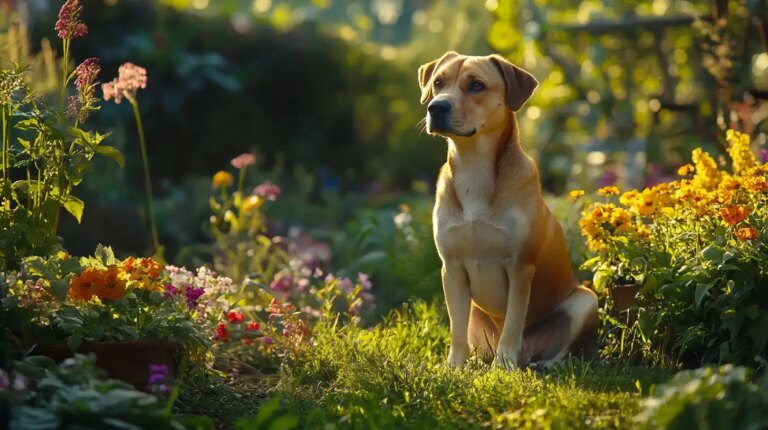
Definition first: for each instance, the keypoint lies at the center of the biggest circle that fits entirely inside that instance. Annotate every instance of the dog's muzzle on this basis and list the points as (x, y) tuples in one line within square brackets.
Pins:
[(439, 116)]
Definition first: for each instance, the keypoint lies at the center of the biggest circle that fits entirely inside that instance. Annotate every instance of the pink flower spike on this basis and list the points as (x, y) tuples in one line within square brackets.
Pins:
[(87, 72), (69, 25), (130, 79), (243, 160)]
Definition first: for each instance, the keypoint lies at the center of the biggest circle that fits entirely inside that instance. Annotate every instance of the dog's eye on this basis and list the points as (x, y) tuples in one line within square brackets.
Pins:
[(476, 86), (438, 83)]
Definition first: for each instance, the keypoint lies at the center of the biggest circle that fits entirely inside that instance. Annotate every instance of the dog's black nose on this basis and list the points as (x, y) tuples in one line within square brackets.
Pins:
[(439, 107)]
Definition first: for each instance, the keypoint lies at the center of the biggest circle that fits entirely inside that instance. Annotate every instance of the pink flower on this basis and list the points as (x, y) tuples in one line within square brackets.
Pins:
[(266, 340), (130, 78), (87, 72), (282, 283), (243, 160), (268, 190), (69, 25)]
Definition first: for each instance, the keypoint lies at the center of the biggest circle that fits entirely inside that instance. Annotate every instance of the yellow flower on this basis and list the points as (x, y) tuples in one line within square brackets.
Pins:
[(223, 179), (252, 203), (608, 191), (739, 150), (575, 194), (747, 233), (707, 176), (730, 182), (685, 170)]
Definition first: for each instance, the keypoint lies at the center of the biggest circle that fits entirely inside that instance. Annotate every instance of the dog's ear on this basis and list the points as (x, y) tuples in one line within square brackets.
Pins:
[(519, 83), (425, 75)]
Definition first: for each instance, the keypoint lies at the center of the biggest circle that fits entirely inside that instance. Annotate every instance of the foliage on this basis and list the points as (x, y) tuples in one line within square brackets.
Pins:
[(76, 395), (45, 153), (720, 397), (101, 298), (696, 247)]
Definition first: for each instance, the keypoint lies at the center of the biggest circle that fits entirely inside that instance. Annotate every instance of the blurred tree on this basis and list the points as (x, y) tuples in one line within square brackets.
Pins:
[(627, 85)]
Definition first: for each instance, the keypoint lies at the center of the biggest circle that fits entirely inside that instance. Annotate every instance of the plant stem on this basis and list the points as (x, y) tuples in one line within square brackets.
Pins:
[(6, 153), (65, 42), (147, 177)]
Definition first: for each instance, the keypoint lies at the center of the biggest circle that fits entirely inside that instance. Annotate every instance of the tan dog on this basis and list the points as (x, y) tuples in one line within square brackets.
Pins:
[(508, 282)]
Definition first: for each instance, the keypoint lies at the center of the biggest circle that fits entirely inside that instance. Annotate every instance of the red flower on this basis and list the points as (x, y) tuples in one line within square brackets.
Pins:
[(236, 317), (252, 326), (221, 332)]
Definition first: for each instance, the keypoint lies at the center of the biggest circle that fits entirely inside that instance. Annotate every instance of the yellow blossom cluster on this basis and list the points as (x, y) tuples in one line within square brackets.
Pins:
[(704, 193)]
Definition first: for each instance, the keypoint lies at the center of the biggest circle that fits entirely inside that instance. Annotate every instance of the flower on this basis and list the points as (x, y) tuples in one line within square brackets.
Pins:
[(252, 326), (747, 233), (608, 191), (85, 285), (145, 272), (252, 202), (243, 160), (268, 190), (235, 317), (113, 287), (685, 169), (69, 25), (282, 283), (221, 333), (171, 291), (130, 78), (739, 150), (575, 194), (707, 176), (86, 73), (157, 373), (733, 215), (192, 295), (223, 179), (266, 340)]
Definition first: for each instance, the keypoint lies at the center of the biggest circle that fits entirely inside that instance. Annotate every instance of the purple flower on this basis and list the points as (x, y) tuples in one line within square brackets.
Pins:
[(87, 72), (69, 25), (282, 283), (193, 295), (364, 280), (170, 291), (763, 155), (268, 190), (346, 285), (157, 373), (266, 340), (243, 160)]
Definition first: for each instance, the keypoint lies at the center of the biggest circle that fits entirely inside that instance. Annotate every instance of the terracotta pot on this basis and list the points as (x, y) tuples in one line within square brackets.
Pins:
[(127, 361), (623, 296)]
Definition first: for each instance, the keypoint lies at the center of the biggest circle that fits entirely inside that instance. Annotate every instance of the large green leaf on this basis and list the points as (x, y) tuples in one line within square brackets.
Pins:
[(111, 152), (75, 206)]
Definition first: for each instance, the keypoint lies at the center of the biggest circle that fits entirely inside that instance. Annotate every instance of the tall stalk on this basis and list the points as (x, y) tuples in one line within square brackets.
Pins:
[(147, 177)]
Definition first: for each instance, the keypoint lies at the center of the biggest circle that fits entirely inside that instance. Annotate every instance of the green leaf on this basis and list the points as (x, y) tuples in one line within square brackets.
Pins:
[(60, 289), (74, 341), (701, 292), (713, 253), (759, 333), (75, 206), (111, 152)]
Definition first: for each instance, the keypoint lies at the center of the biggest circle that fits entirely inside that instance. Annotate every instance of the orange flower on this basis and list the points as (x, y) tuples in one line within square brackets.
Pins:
[(113, 285), (223, 179), (733, 215), (85, 285), (747, 233), (145, 271)]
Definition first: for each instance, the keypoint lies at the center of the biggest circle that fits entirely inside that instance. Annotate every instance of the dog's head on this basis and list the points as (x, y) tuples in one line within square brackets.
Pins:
[(471, 95)]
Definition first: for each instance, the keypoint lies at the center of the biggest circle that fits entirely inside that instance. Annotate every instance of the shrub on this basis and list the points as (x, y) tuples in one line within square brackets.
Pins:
[(707, 398), (696, 246)]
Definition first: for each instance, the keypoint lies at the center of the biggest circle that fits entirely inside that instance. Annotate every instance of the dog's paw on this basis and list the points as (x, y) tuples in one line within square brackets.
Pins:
[(505, 362), (456, 357)]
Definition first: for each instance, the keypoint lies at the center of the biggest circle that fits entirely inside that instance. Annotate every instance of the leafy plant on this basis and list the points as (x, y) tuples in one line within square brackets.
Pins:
[(697, 248), (46, 150), (707, 398), (76, 394)]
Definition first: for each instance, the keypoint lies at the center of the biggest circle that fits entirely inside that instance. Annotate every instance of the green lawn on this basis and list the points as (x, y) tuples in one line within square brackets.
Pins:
[(393, 376)]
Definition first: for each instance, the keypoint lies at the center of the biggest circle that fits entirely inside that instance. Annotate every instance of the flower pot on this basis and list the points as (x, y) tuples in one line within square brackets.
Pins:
[(127, 361), (623, 296)]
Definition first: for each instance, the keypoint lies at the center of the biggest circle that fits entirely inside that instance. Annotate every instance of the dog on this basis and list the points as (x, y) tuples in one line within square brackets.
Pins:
[(509, 287)]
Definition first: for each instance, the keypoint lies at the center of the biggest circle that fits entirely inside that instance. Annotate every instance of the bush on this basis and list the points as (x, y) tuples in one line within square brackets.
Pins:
[(707, 398), (697, 248)]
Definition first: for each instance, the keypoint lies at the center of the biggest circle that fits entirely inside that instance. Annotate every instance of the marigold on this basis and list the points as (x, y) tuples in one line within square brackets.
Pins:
[(85, 285), (223, 179), (747, 233), (575, 194), (608, 191), (739, 150), (733, 215), (145, 272), (113, 285), (685, 170), (707, 175)]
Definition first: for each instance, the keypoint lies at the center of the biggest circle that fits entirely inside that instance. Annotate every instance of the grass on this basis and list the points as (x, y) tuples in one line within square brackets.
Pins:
[(393, 377)]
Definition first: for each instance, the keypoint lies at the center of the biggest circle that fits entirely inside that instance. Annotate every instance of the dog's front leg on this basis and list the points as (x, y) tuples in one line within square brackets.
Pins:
[(458, 299), (518, 296)]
